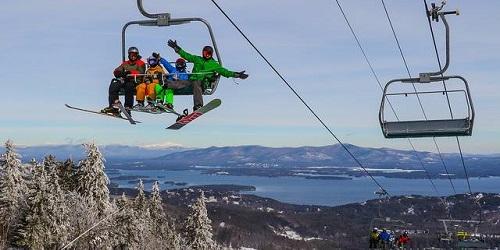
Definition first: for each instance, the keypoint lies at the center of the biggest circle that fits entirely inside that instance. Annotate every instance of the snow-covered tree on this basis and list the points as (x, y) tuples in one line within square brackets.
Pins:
[(163, 230), (125, 231), (45, 223), (92, 182), (141, 211), (140, 202), (66, 173), (198, 230), (85, 216), (12, 191)]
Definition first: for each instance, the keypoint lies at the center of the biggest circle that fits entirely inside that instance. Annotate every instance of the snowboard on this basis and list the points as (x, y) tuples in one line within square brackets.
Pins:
[(199, 112), (97, 112)]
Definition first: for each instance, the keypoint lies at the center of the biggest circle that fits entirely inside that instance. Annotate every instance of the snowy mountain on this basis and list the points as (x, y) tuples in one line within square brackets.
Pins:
[(76, 151), (331, 155)]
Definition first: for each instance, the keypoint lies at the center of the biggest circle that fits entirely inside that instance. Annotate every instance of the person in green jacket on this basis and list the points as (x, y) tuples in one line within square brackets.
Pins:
[(203, 73)]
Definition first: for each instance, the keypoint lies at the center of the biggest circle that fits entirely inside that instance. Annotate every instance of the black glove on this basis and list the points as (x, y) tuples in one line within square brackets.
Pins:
[(173, 45), (126, 73), (156, 55), (241, 75)]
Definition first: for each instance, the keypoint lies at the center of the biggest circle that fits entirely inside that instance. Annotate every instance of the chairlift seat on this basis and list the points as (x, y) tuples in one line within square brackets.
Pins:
[(427, 128)]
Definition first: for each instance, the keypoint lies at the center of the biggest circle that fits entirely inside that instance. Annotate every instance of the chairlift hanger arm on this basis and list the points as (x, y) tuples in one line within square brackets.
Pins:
[(147, 14), (435, 13), (164, 19)]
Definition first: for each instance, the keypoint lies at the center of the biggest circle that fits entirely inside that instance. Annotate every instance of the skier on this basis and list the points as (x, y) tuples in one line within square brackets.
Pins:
[(385, 238), (126, 77), (148, 89), (166, 95), (374, 238), (403, 240), (204, 70)]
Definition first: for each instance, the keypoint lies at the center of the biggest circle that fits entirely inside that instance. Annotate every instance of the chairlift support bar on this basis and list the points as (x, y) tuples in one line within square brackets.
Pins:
[(430, 128), (424, 77), (163, 20)]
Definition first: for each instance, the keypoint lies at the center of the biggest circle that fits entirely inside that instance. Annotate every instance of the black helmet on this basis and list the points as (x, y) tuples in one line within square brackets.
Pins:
[(207, 52), (133, 50)]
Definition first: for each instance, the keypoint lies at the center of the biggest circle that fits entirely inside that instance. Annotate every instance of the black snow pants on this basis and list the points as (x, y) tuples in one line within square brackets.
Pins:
[(114, 89)]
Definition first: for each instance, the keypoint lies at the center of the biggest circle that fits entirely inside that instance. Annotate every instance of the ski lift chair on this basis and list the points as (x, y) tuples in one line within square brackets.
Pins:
[(429, 128), (165, 20)]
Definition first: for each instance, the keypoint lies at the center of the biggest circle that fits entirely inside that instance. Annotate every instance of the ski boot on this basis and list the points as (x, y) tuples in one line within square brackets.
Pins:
[(111, 111)]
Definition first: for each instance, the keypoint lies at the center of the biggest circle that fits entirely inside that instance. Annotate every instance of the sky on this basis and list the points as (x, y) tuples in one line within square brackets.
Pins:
[(57, 52)]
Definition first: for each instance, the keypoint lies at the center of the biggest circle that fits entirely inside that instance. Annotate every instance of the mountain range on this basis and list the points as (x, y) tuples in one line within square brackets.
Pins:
[(269, 157), (77, 151), (331, 155)]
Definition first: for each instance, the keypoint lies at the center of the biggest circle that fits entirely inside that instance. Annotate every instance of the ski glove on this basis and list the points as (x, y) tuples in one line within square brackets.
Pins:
[(241, 75), (156, 55), (173, 45)]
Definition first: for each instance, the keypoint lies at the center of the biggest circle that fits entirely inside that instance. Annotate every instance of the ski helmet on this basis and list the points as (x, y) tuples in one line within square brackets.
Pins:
[(132, 51), (152, 61), (180, 64), (207, 52)]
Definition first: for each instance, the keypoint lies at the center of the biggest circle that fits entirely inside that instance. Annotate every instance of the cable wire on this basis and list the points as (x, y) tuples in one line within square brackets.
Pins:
[(88, 230), (419, 101), (299, 97), (381, 88), (444, 84)]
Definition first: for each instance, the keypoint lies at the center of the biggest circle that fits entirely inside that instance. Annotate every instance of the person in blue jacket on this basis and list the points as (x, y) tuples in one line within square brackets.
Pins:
[(166, 95), (385, 238)]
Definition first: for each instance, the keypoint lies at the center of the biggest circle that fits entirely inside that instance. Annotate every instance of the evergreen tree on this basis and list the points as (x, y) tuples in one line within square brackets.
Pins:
[(46, 222), (12, 190), (66, 173), (92, 180), (125, 230), (141, 211), (84, 216), (198, 230), (163, 230)]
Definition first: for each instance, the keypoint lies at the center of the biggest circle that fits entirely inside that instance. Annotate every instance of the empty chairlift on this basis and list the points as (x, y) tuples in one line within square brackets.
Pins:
[(446, 126)]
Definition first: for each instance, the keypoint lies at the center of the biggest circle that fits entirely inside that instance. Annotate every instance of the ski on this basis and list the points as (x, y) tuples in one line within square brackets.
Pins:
[(97, 112), (124, 111), (159, 109), (167, 110), (199, 112)]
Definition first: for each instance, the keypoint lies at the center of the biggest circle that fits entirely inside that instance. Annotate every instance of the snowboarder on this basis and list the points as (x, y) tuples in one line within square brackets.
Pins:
[(204, 70), (147, 88), (166, 95), (126, 76)]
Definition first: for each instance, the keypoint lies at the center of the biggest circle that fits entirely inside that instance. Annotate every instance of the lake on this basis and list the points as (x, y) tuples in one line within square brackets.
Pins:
[(298, 190)]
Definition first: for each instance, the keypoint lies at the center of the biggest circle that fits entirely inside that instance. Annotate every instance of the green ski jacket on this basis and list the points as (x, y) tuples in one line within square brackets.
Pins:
[(205, 67)]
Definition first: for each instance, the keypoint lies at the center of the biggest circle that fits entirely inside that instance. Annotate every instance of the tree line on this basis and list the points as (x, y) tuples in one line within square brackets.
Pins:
[(63, 205)]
